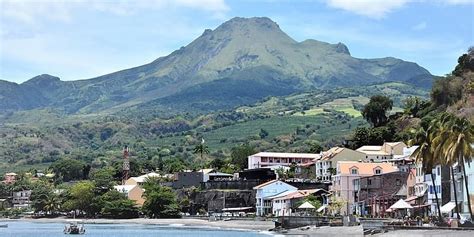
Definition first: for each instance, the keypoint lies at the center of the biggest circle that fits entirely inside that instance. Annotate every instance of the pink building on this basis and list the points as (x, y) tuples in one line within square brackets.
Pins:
[(9, 178), (346, 181)]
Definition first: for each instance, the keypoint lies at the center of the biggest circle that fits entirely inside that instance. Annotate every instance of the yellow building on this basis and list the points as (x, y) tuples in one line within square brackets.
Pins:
[(133, 192)]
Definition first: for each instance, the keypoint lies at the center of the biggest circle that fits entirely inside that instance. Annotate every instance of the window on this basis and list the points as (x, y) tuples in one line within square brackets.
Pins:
[(354, 171), (369, 182), (398, 182), (439, 170), (378, 171)]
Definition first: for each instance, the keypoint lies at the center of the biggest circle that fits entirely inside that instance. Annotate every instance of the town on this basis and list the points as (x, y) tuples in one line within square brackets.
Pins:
[(236, 118), (371, 181)]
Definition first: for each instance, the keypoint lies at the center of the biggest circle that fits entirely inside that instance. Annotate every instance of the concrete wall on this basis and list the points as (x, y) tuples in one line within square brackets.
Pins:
[(231, 184), (188, 179), (299, 221)]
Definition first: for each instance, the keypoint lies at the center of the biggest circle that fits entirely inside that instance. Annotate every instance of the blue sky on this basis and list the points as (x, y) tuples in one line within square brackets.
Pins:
[(80, 39)]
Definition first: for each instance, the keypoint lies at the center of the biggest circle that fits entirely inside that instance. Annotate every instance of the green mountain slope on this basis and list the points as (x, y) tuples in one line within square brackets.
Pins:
[(35, 138), (240, 62)]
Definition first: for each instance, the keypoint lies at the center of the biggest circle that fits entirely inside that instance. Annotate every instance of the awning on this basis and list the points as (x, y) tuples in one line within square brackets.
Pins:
[(321, 208), (400, 204), (306, 205), (448, 207)]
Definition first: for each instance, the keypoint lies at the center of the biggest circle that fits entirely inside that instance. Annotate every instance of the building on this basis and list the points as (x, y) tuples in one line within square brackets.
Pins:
[(187, 179), (212, 174), (470, 180), (132, 192), (326, 165), (141, 179), (266, 192), (384, 152), (285, 205), (306, 171), (9, 178), (344, 185), (21, 199), (268, 159), (376, 193), (261, 174)]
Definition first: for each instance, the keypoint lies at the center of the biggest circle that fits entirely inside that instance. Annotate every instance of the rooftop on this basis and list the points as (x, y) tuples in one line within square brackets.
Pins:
[(344, 167), (287, 155)]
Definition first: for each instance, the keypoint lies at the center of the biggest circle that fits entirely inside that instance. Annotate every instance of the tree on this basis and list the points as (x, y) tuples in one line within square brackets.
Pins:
[(218, 163), (40, 194), (413, 105), (161, 201), (239, 155), (453, 141), (315, 147), (69, 169), (103, 178), (115, 205), (201, 149), (375, 112), (53, 203), (82, 197), (424, 154), (263, 133), (173, 165)]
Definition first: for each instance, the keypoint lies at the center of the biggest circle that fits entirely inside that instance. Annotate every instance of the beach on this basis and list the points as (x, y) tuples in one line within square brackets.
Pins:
[(254, 226)]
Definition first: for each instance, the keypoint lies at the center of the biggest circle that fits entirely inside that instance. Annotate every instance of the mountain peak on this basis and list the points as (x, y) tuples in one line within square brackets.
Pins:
[(42, 80)]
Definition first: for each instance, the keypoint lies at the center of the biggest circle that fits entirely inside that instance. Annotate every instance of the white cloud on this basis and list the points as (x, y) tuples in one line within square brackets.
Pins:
[(419, 26), (370, 8), (30, 11), (380, 8)]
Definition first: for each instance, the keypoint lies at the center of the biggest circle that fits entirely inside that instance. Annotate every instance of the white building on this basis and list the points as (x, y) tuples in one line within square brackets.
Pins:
[(269, 159), (326, 165), (384, 152), (284, 204), (266, 192), (21, 199)]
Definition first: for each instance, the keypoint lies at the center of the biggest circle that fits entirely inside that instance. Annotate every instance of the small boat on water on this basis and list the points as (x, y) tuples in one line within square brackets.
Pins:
[(74, 229), (3, 225)]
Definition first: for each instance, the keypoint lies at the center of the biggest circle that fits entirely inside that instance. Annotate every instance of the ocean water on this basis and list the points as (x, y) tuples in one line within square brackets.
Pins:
[(35, 229)]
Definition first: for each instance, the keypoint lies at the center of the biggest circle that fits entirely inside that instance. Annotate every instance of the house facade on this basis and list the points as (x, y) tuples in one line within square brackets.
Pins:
[(266, 192), (9, 178), (345, 184), (21, 199), (285, 205), (132, 192), (325, 166), (376, 193), (269, 159)]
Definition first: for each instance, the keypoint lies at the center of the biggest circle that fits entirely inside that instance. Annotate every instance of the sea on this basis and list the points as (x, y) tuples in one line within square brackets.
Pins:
[(40, 229)]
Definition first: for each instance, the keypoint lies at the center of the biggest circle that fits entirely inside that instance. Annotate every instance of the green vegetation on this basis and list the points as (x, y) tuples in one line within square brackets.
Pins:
[(161, 202), (167, 143)]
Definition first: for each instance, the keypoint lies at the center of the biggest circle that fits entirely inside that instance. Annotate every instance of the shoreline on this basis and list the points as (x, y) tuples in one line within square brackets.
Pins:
[(237, 225)]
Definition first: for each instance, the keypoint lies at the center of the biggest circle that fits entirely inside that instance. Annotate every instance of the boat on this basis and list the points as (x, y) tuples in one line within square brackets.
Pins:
[(74, 229), (3, 225)]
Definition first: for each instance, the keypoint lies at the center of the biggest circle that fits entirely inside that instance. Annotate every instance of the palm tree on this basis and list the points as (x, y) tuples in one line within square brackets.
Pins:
[(458, 146), (424, 154), (442, 144), (53, 203), (201, 149)]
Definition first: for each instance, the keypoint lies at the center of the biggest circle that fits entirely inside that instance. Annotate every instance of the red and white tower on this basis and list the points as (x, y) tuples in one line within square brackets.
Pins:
[(126, 165)]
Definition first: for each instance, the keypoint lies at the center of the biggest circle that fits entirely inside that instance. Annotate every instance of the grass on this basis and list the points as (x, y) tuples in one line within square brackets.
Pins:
[(329, 127)]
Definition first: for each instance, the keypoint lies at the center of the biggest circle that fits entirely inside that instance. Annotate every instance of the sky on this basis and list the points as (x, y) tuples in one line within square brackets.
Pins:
[(80, 39)]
